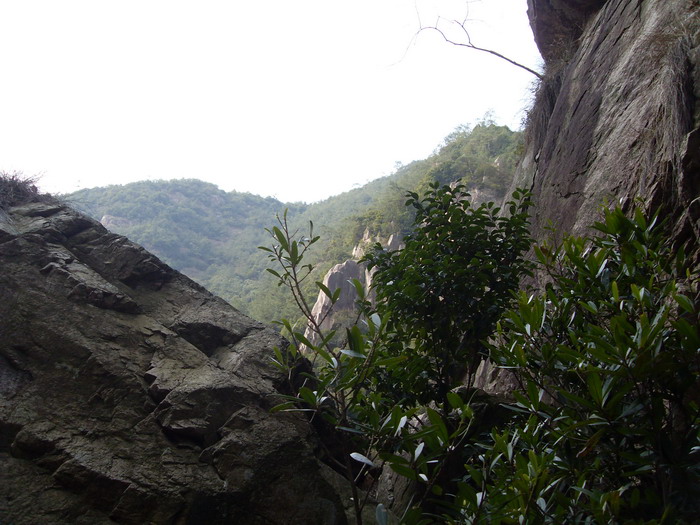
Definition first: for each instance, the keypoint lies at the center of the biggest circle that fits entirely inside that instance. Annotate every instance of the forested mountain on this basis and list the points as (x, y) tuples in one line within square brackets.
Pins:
[(213, 236)]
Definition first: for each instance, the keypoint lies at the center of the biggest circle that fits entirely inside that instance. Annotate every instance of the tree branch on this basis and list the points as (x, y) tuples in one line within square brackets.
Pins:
[(470, 45)]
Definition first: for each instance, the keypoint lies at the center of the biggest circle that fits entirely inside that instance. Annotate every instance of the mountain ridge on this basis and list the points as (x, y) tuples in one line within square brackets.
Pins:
[(213, 235)]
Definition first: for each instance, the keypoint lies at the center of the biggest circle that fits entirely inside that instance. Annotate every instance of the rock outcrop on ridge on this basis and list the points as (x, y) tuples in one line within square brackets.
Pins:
[(129, 394)]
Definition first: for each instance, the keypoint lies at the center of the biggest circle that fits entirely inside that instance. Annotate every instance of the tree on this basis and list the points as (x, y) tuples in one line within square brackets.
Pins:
[(383, 394), (606, 426), (445, 290)]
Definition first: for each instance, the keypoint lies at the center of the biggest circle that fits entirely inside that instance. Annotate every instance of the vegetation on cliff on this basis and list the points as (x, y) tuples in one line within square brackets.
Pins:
[(16, 189), (603, 424)]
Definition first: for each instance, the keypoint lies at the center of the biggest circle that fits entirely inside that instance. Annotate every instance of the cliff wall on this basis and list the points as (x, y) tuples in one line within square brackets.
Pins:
[(617, 115), (616, 119)]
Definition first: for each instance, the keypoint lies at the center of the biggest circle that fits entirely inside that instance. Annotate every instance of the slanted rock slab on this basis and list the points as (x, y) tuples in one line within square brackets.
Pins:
[(130, 394)]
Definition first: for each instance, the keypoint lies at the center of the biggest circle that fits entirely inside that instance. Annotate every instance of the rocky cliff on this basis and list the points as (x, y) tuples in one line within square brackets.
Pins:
[(343, 313), (617, 115), (616, 119), (129, 394)]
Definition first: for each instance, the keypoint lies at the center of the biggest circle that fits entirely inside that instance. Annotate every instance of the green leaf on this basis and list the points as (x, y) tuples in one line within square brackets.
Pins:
[(689, 331), (455, 400), (326, 291), (359, 288), (685, 303), (308, 396), (436, 420), (302, 339), (294, 253), (351, 430), (591, 443), (595, 387), (280, 238), (390, 362), (352, 353), (356, 339), (362, 459), (404, 471), (418, 450), (282, 407)]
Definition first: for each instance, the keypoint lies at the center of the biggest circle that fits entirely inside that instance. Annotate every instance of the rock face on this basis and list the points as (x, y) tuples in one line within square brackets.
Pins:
[(343, 313), (616, 118), (129, 394), (556, 24), (617, 115)]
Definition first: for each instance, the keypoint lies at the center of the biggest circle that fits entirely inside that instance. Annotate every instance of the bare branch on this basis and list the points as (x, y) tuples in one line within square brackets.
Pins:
[(469, 44)]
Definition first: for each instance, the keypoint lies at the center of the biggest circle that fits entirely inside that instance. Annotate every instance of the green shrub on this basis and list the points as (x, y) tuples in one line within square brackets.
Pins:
[(607, 358), (443, 293), (410, 349), (604, 424)]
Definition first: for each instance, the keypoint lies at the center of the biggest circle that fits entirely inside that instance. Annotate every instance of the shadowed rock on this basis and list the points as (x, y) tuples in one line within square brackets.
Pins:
[(129, 394)]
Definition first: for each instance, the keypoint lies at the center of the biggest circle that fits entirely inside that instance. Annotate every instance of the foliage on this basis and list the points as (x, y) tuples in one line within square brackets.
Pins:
[(362, 388), (337, 390), (483, 158), (444, 292), (603, 427), (608, 361)]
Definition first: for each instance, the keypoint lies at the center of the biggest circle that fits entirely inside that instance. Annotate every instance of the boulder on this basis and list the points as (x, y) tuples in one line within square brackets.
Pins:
[(129, 394)]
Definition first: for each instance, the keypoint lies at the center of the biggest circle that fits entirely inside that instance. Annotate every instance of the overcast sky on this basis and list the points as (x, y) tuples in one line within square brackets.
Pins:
[(297, 99)]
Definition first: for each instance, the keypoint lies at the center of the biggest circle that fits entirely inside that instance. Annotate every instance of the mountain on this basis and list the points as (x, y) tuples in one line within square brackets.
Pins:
[(213, 236)]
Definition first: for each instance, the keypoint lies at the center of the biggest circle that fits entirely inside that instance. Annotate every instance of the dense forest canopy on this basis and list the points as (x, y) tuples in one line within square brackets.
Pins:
[(213, 236)]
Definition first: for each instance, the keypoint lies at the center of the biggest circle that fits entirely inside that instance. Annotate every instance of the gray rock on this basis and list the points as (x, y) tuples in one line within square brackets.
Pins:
[(557, 24), (129, 394), (618, 116)]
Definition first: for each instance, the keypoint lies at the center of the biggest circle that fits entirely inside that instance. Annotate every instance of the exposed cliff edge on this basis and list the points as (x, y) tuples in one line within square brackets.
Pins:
[(129, 394), (617, 116)]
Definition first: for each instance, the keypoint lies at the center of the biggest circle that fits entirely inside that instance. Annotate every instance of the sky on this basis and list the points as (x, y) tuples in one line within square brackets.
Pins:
[(298, 100)]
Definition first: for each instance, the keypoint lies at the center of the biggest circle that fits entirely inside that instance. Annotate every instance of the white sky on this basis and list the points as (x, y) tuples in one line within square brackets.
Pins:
[(298, 99)]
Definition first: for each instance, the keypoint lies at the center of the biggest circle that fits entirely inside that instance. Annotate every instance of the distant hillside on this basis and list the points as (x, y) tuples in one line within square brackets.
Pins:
[(213, 235)]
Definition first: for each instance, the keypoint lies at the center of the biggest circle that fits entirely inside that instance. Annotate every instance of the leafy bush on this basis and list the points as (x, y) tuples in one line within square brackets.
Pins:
[(608, 360), (443, 293), (604, 424), (407, 351)]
